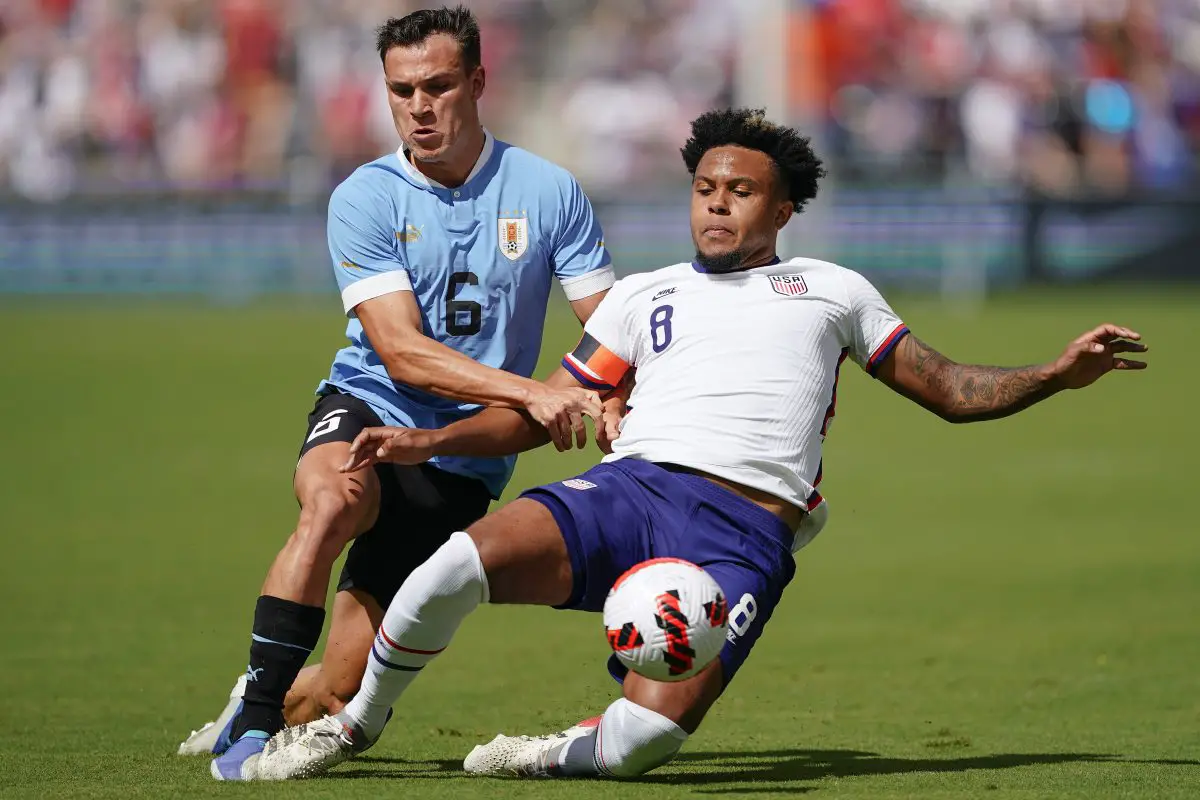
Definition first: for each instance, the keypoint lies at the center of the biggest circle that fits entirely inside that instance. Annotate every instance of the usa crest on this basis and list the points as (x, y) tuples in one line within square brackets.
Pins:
[(790, 285), (513, 237)]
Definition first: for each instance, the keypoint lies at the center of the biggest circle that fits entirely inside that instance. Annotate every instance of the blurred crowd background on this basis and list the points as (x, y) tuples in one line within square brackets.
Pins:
[(1066, 96), (942, 121), (213, 94)]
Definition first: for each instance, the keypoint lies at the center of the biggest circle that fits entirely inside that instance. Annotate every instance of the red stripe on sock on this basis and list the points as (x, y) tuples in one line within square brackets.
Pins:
[(396, 645)]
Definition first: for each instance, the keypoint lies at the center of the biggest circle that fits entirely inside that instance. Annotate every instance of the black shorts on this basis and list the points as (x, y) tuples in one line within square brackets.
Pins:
[(419, 506)]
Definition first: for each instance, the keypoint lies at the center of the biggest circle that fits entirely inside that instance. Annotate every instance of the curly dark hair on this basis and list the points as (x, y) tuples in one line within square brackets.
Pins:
[(797, 166), (418, 26)]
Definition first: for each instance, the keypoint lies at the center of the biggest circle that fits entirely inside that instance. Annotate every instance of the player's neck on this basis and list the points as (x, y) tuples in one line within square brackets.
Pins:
[(453, 173), (751, 262), (761, 260)]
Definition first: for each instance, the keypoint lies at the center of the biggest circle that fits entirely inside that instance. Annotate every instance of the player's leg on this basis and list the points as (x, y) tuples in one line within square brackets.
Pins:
[(215, 738), (325, 688), (748, 552), (300, 704), (651, 722), (515, 555), (289, 614), (420, 507), (685, 703)]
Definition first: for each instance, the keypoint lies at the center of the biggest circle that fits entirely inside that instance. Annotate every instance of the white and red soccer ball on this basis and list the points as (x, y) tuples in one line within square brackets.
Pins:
[(666, 619)]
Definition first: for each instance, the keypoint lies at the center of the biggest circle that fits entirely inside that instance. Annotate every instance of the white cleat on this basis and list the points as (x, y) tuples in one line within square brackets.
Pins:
[(521, 756), (311, 749), (204, 742)]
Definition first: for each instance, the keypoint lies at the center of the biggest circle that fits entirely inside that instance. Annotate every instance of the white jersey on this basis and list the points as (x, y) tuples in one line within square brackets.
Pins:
[(736, 372)]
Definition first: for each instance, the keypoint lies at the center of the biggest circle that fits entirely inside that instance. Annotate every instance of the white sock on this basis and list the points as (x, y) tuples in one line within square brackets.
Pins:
[(629, 741), (418, 625)]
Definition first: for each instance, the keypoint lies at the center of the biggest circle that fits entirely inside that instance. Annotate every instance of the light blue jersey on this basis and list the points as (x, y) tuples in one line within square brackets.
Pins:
[(478, 257)]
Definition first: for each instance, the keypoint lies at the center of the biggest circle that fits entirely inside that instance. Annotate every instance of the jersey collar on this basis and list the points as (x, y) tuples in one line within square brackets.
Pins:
[(421, 179), (700, 268)]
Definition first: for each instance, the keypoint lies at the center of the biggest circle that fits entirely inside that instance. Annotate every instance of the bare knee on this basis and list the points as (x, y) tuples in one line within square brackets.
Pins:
[(330, 516), (683, 702)]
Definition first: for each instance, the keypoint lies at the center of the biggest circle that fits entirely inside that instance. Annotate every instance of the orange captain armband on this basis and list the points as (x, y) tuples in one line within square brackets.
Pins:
[(594, 365)]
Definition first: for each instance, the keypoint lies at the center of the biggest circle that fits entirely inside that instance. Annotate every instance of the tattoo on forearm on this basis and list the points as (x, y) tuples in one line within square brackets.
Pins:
[(973, 392)]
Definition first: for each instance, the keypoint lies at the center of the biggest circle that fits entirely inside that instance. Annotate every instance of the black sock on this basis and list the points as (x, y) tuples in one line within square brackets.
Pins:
[(285, 633)]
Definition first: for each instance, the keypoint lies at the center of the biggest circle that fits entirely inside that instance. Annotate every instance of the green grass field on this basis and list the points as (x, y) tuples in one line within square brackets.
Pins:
[(1007, 610)]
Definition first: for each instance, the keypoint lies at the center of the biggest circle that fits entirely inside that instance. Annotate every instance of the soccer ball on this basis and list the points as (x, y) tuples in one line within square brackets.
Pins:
[(666, 619)]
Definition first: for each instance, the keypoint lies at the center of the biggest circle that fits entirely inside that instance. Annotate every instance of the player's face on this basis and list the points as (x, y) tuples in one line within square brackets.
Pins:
[(433, 96), (736, 210)]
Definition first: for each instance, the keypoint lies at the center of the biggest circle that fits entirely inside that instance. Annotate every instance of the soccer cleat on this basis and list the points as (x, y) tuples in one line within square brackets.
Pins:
[(310, 749), (213, 737), (240, 761), (524, 756)]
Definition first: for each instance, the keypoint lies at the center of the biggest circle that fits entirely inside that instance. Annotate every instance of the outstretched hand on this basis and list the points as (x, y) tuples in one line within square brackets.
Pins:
[(388, 444), (1095, 353)]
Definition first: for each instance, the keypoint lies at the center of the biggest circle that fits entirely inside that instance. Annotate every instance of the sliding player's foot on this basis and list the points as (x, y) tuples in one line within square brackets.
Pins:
[(524, 756), (311, 749), (213, 737)]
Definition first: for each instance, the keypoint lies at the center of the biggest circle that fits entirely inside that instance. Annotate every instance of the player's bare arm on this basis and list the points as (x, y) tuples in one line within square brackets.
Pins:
[(586, 306), (973, 393), (608, 427), (393, 325), (493, 432)]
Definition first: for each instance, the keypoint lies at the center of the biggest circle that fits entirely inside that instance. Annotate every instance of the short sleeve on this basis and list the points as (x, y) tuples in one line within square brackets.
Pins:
[(875, 330), (581, 261), (362, 248), (605, 353)]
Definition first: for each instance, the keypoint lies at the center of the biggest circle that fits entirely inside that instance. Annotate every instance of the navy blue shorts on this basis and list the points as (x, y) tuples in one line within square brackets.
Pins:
[(619, 514)]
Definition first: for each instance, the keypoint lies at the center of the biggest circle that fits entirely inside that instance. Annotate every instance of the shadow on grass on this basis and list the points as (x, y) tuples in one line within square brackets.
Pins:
[(786, 766), (768, 767), (400, 768)]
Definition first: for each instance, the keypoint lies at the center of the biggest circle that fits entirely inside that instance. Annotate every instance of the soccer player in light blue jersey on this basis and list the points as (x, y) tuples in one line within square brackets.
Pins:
[(444, 253)]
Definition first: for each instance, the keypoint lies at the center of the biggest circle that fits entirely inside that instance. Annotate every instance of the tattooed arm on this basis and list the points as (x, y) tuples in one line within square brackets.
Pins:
[(970, 393)]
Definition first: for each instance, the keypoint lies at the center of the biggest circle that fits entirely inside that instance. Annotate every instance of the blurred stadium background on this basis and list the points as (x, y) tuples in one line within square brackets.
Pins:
[(190, 145), (1020, 594)]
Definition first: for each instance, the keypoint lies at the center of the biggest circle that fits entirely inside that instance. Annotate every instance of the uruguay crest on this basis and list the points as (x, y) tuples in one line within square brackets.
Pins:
[(513, 237), (790, 285)]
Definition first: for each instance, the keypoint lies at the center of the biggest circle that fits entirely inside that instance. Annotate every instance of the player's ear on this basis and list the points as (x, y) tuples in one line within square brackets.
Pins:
[(478, 80), (783, 214)]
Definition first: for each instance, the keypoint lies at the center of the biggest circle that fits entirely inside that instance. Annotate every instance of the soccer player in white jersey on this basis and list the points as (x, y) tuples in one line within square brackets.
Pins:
[(445, 253), (718, 460)]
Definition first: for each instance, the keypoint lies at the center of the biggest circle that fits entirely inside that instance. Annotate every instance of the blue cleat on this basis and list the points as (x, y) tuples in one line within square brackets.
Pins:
[(224, 738), (240, 761)]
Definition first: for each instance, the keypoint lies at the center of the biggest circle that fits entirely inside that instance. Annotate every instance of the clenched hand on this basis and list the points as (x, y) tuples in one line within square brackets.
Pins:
[(561, 412)]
